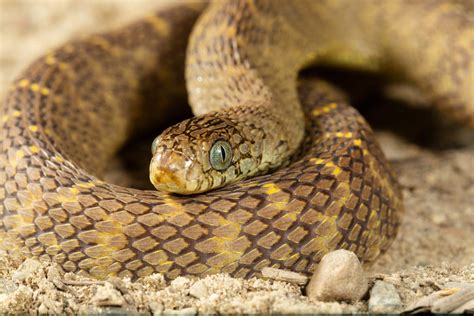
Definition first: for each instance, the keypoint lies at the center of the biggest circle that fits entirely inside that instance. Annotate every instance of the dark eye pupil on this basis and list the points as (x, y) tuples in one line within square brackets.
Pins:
[(222, 153)]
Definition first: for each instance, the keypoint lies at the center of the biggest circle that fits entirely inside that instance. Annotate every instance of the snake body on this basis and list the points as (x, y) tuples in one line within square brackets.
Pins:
[(70, 111)]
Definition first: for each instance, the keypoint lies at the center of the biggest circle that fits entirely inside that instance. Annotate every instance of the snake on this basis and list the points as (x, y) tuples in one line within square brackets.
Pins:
[(272, 171)]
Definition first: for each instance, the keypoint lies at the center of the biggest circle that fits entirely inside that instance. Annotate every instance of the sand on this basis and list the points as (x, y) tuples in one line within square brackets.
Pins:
[(434, 245)]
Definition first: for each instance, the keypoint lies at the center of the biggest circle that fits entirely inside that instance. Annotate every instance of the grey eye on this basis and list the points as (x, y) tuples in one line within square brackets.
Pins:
[(220, 155), (153, 145)]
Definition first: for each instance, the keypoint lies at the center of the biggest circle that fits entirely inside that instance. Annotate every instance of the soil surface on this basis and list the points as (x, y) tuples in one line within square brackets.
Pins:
[(434, 245)]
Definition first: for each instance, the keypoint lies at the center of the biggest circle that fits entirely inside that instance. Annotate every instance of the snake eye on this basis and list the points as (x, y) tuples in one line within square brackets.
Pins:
[(220, 155), (153, 145)]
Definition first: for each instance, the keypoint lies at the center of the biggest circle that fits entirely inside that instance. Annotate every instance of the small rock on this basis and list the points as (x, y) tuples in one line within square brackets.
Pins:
[(199, 289), (54, 274), (338, 277), (180, 282), (3, 297), (156, 308), (7, 285), (107, 295), (119, 284), (42, 309), (284, 275), (27, 269), (384, 298)]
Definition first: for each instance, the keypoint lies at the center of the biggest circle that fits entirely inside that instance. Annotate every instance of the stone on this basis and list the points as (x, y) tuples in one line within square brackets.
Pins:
[(199, 289), (384, 298), (27, 270), (338, 277), (107, 295), (284, 275), (42, 309)]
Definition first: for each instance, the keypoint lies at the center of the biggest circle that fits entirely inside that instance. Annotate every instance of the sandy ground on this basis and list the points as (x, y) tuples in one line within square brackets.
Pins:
[(434, 245)]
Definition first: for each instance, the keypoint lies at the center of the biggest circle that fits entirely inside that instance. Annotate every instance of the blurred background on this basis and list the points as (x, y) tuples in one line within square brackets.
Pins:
[(28, 28)]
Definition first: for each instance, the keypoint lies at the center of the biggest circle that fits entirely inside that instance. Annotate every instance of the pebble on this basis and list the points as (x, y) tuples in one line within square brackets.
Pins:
[(199, 289), (3, 297), (54, 274), (338, 277), (284, 275), (7, 286), (42, 309), (384, 298), (27, 269), (107, 295)]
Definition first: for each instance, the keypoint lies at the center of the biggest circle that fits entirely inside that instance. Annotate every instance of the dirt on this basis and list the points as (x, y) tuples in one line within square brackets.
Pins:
[(434, 245)]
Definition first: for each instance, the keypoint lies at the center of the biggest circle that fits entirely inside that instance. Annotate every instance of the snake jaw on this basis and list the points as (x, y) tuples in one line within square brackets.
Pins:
[(173, 172)]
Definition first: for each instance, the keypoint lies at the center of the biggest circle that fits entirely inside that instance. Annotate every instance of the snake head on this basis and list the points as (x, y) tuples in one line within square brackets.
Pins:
[(200, 154)]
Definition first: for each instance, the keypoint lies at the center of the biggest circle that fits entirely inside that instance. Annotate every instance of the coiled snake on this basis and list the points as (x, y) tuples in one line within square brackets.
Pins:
[(70, 111)]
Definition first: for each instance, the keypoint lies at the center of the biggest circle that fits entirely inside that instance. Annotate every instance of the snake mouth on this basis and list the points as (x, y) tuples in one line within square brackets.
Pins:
[(164, 178), (169, 172)]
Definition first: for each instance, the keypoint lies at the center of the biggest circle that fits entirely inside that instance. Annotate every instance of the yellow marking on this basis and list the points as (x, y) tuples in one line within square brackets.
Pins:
[(86, 185), (231, 31), (4, 118), (343, 134), (58, 159), (336, 170), (325, 109), (272, 188), (159, 24), (358, 142), (50, 60), (33, 128), (47, 131), (35, 87), (163, 263), (295, 255), (24, 83), (63, 66), (74, 191), (19, 154), (34, 149), (384, 182), (16, 113), (291, 216), (318, 161)]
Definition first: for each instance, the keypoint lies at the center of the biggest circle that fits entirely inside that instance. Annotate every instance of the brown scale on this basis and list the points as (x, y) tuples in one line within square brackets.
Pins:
[(64, 120)]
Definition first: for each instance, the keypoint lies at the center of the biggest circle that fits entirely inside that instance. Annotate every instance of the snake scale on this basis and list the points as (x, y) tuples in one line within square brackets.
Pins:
[(69, 112)]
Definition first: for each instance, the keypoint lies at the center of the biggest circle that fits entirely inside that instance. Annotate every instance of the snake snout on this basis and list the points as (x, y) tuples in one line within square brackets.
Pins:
[(169, 172)]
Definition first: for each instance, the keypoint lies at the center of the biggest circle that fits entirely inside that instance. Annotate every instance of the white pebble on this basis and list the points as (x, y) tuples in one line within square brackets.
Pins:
[(338, 277)]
